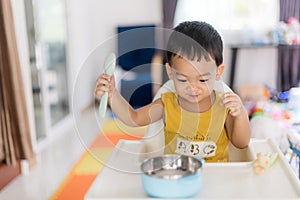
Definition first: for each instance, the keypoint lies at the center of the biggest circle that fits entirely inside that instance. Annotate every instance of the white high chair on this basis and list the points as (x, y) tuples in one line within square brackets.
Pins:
[(154, 138)]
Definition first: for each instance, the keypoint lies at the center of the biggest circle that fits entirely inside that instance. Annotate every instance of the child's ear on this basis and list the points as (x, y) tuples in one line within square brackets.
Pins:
[(169, 71), (220, 70)]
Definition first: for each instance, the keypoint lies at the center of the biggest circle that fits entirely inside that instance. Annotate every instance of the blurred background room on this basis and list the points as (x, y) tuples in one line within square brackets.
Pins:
[(52, 52)]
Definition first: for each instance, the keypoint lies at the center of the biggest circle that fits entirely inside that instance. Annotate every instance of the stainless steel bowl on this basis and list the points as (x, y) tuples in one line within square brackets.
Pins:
[(172, 176)]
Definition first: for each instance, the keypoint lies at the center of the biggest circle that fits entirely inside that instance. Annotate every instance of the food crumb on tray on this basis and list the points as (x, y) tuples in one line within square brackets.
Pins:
[(263, 161)]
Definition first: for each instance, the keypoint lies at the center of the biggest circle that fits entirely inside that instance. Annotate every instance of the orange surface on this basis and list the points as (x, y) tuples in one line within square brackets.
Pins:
[(112, 139), (82, 175), (75, 187)]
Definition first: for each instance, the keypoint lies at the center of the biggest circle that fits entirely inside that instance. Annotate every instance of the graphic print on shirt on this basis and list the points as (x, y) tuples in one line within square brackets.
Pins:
[(197, 149)]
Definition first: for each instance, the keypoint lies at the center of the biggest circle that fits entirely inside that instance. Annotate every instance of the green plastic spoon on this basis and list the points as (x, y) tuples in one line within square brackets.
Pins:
[(109, 68)]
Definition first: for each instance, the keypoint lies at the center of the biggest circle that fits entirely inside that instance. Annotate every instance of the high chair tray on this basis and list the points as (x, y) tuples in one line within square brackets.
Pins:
[(121, 177)]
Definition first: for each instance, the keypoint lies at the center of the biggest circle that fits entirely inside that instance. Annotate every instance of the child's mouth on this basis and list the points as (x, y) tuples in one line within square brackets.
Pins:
[(194, 95)]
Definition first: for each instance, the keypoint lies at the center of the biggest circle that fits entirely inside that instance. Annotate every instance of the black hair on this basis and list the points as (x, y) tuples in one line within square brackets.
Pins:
[(195, 40)]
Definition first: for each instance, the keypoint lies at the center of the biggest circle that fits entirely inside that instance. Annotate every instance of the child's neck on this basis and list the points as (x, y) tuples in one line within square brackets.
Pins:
[(198, 107)]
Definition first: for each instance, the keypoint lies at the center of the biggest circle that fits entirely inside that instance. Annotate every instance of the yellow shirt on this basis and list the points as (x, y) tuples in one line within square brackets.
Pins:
[(196, 134)]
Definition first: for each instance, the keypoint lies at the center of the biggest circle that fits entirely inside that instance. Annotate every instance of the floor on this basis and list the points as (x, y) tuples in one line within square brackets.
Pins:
[(54, 162)]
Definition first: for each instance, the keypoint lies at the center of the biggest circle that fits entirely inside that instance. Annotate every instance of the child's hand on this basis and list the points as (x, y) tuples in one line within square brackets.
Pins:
[(104, 83), (233, 102)]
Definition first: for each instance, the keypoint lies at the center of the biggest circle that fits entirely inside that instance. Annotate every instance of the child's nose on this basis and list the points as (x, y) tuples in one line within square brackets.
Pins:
[(195, 85)]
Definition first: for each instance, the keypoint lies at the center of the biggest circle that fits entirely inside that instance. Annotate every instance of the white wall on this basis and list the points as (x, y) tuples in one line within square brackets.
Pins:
[(257, 65), (92, 23), (253, 65)]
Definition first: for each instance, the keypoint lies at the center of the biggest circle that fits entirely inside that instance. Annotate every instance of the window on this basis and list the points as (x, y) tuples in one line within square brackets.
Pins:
[(231, 15)]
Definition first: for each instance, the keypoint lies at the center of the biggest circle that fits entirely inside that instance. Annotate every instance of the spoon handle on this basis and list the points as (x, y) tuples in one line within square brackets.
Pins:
[(109, 67)]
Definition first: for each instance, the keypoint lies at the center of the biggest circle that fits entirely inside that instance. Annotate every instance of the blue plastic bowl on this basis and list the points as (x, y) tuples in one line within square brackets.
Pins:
[(172, 176)]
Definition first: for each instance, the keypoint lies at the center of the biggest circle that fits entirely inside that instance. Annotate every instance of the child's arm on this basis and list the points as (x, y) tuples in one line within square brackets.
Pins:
[(122, 109), (237, 123)]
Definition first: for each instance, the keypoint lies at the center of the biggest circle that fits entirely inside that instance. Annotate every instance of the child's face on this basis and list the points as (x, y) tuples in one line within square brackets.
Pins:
[(194, 80)]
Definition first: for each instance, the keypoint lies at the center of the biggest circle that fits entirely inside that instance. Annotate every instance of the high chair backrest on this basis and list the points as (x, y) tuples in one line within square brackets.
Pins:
[(154, 138)]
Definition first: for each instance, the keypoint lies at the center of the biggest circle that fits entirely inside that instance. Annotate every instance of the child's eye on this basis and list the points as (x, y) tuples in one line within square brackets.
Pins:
[(203, 80), (181, 80)]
